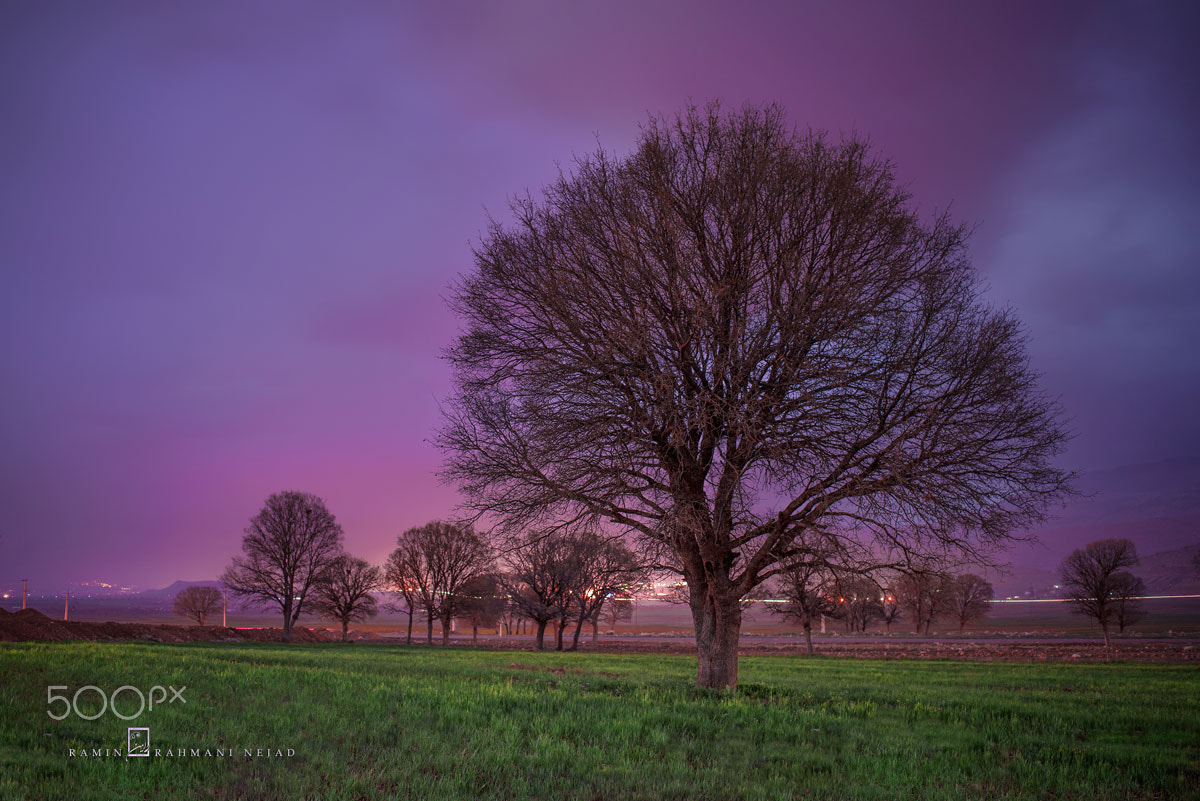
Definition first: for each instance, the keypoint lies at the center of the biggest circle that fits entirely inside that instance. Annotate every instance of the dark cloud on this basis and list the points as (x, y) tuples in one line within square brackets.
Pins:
[(225, 229)]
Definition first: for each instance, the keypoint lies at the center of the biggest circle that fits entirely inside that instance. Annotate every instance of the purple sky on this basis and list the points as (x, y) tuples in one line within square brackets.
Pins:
[(226, 229)]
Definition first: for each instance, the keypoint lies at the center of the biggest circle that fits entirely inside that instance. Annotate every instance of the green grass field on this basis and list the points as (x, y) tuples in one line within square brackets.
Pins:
[(369, 722)]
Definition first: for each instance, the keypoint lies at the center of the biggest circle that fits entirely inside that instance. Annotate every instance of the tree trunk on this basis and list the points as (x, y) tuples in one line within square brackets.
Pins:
[(287, 619), (718, 626), (1107, 642), (575, 638), (808, 635), (345, 629), (446, 630), (474, 634), (595, 629), (558, 633), (429, 628), (410, 616), (541, 634)]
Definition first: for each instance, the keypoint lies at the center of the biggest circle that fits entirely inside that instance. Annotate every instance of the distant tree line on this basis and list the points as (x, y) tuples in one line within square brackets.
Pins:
[(293, 561), (812, 590)]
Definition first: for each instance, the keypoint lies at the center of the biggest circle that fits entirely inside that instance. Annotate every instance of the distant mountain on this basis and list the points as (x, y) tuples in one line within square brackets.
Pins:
[(1165, 573), (1170, 572), (176, 587), (1155, 505)]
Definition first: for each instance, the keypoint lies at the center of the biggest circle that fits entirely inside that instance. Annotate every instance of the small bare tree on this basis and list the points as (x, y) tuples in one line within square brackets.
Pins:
[(856, 600), (970, 598), (890, 607), (805, 586), (539, 578), (738, 335), (287, 549), (400, 578), (437, 560), (482, 603), (604, 567), (1127, 593), (198, 603), (924, 597), (346, 592), (1090, 576), (617, 610), (512, 619)]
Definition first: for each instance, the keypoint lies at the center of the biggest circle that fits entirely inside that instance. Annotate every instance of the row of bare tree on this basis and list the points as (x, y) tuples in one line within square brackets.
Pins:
[(812, 591), (1096, 579), (450, 572), (293, 561)]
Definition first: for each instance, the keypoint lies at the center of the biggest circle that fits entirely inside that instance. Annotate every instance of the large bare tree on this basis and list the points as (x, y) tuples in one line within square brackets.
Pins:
[(736, 335), (1093, 577), (287, 549), (347, 591)]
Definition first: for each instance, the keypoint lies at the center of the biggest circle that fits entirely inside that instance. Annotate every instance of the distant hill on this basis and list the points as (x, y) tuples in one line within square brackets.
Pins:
[(1170, 572), (176, 587), (1155, 505), (1165, 573)]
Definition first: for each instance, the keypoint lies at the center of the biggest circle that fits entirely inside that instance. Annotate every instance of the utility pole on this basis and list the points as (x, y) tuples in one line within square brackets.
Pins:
[(67, 605), (24, 592)]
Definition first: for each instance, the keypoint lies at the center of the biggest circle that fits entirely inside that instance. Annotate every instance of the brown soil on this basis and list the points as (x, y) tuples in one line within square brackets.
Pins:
[(32, 625), (991, 651)]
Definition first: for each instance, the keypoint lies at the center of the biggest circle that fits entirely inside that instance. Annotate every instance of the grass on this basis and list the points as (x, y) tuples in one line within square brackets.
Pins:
[(370, 722)]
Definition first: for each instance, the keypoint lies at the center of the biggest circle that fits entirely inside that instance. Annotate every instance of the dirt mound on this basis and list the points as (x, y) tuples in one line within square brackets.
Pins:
[(112, 632), (30, 624), (276, 635), (1182, 652)]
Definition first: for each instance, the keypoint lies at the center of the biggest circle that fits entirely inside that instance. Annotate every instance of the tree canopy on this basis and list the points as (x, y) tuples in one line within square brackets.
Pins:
[(737, 335), (288, 548)]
